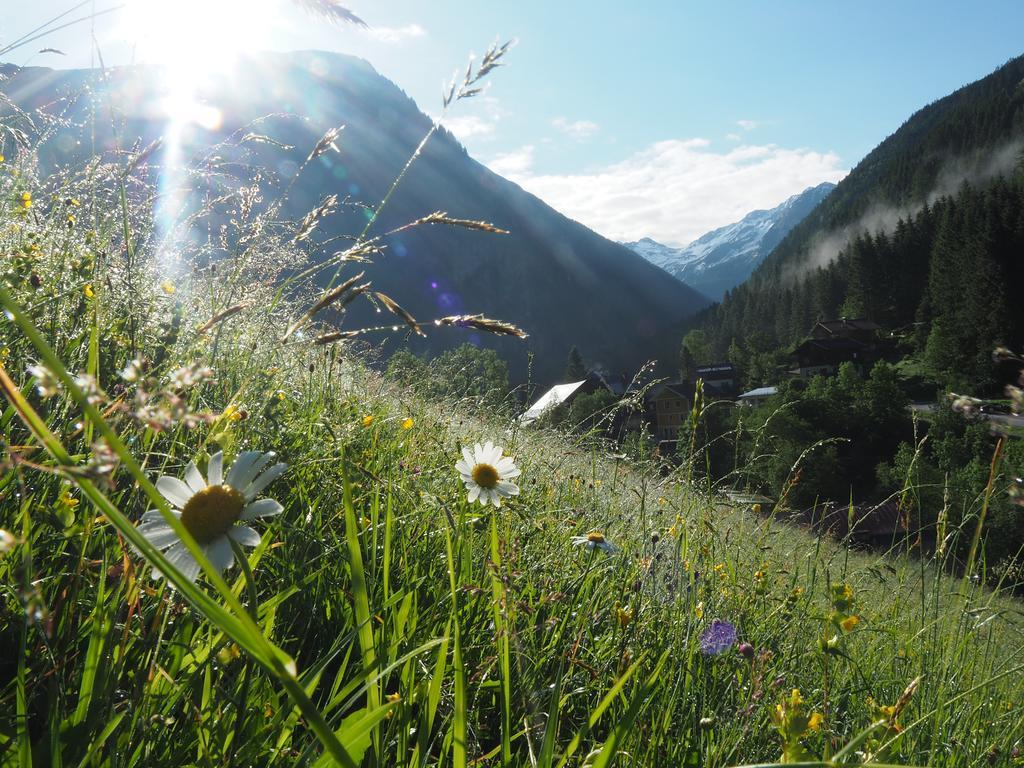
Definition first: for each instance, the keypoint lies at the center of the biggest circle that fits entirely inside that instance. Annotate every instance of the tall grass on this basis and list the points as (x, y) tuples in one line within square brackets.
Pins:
[(383, 620)]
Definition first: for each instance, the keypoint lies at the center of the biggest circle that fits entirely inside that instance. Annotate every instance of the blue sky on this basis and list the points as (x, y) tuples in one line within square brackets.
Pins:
[(661, 118)]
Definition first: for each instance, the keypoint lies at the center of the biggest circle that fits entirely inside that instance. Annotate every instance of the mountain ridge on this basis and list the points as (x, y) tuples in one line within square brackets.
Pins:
[(724, 257), (547, 276)]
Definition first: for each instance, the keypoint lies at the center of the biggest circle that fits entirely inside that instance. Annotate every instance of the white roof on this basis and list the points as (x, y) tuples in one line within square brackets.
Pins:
[(761, 392), (557, 394)]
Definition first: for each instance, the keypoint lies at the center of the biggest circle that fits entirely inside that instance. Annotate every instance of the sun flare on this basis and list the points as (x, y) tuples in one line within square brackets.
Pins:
[(196, 40)]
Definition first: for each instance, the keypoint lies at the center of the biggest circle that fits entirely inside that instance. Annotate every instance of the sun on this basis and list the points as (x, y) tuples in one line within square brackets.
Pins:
[(195, 41)]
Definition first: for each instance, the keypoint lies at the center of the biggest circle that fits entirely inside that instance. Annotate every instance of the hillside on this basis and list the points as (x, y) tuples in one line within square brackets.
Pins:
[(870, 247), (725, 257), (562, 283), (368, 613)]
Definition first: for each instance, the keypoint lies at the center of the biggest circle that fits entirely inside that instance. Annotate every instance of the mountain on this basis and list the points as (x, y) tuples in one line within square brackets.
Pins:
[(725, 257), (561, 282), (923, 235)]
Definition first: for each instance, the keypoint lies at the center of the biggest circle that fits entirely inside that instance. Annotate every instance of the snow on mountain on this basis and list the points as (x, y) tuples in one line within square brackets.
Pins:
[(725, 257)]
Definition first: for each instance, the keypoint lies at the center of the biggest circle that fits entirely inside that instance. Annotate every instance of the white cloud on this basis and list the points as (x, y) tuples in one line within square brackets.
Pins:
[(747, 125), (578, 129), (469, 126), (733, 136), (476, 126), (395, 34), (515, 165), (675, 190)]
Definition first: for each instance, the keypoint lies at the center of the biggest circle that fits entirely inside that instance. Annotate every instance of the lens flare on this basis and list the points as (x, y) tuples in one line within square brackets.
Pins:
[(193, 46)]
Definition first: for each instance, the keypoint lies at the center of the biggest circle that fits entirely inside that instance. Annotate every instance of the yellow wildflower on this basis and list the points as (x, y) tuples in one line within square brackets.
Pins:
[(367, 420), (625, 617), (26, 200), (849, 623), (814, 722), (167, 287), (88, 291), (407, 422)]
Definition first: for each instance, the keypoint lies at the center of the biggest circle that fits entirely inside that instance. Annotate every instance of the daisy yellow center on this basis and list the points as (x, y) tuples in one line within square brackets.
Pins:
[(485, 475), (596, 537), (210, 513)]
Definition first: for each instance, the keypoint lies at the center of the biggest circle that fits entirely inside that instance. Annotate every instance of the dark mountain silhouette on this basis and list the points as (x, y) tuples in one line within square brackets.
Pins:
[(552, 276), (924, 235)]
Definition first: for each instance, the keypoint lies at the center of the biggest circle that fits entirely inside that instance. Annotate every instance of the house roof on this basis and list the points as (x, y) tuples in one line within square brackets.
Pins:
[(555, 396), (683, 389), (832, 344), (760, 392), (845, 325), (716, 371)]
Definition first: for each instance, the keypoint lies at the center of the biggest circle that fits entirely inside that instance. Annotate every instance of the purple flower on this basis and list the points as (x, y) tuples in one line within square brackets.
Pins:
[(718, 638)]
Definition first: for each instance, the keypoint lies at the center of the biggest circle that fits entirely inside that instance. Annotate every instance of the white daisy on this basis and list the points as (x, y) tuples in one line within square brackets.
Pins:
[(211, 511), (595, 540), (487, 474)]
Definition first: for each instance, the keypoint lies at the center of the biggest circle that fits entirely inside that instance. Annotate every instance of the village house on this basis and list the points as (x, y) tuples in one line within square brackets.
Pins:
[(669, 407), (834, 342), (756, 397), (564, 394), (721, 380)]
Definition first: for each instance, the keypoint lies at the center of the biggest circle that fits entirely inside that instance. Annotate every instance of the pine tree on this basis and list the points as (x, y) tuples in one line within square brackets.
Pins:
[(575, 368)]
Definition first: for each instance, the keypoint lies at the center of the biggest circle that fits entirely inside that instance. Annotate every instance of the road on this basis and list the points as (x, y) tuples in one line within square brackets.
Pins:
[(999, 418)]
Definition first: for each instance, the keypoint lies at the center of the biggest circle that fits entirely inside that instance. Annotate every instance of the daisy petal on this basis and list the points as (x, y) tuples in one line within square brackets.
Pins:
[(264, 480), (182, 559), (467, 455), (220, 554), (495, 499), (261, 508), (159, 534), (474, 493), (193, 479), (246, 467), (244, 535), (174, 490), (505, 465), (514, 472), (215, 470), (507, 489), (156, 514), (464, 468)]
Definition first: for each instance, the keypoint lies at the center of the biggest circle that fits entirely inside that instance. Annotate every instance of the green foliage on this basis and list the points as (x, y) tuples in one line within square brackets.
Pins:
[(575, 368), (946, 269), (696, 343), (851, 420), (466, 372), (382, 620)]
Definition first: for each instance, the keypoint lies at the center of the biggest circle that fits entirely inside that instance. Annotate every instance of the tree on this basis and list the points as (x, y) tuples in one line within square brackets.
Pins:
[(469, 371), (575, 368), (687, 364), (697, 342)]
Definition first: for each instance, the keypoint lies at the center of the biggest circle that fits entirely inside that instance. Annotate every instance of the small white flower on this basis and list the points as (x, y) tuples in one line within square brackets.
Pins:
[(47, 382), (211, 511), (487, 474), (595, 540)]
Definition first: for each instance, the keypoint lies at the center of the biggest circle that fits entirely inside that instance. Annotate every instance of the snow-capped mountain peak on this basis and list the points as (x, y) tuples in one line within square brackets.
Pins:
[(725, 257)]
